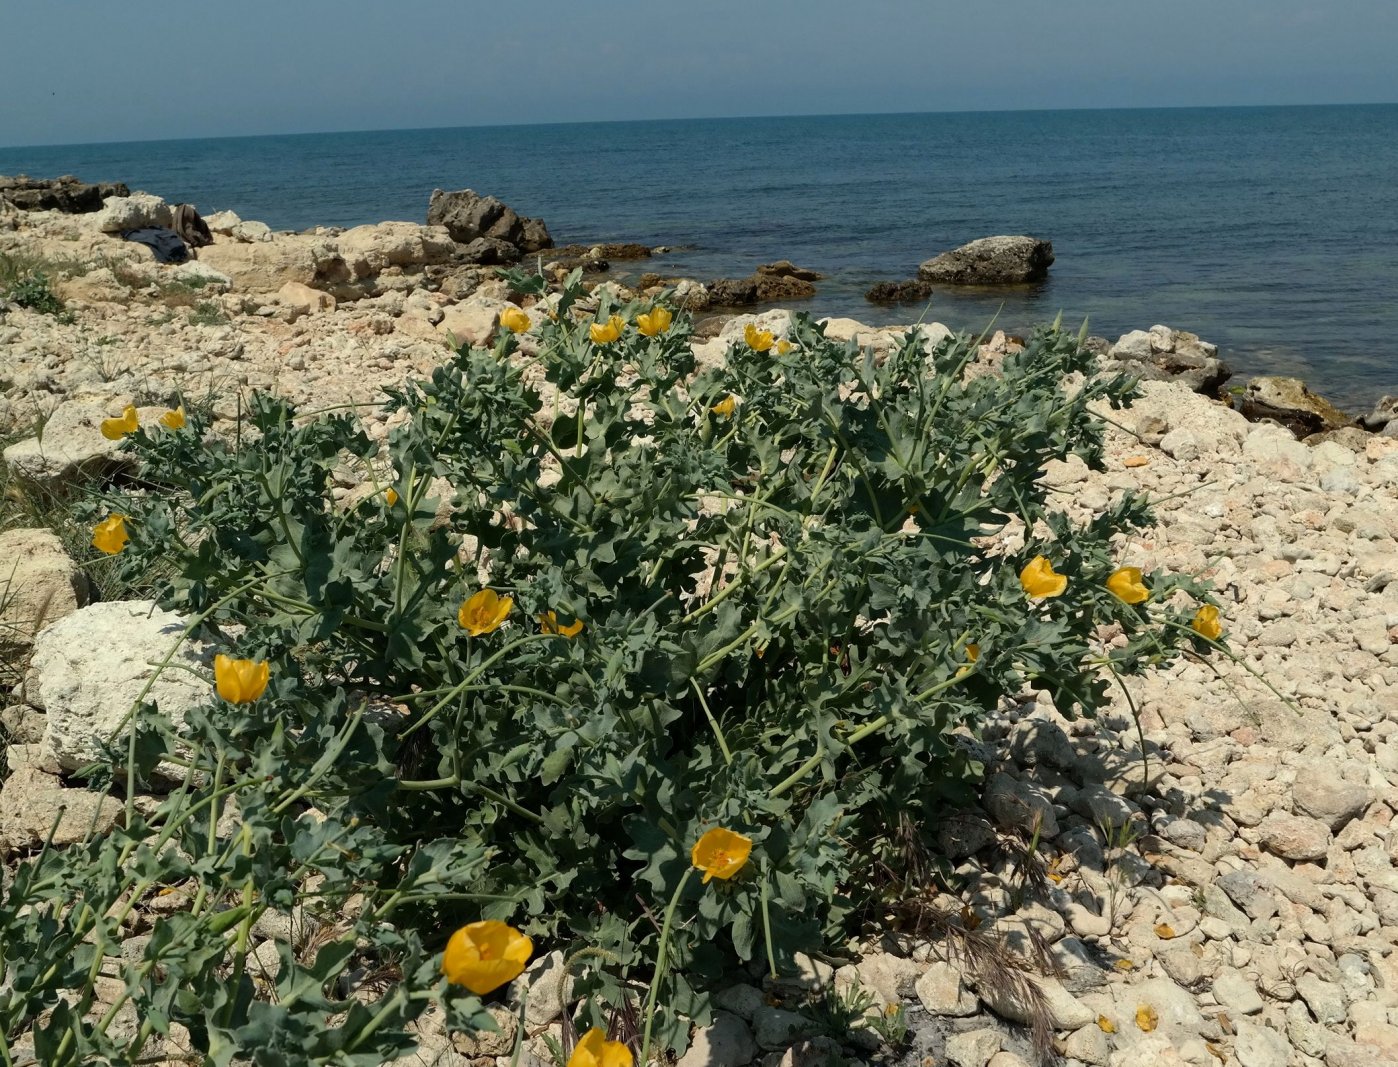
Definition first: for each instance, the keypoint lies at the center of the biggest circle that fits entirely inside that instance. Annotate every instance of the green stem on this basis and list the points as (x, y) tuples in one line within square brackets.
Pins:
[(660, 961), (718, 734)]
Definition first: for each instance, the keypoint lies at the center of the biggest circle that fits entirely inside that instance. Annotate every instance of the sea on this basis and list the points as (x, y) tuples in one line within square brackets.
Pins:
[(1271, 231)]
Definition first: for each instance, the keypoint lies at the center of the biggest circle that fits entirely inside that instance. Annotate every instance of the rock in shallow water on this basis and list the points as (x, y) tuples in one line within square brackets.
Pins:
[(991, 261)]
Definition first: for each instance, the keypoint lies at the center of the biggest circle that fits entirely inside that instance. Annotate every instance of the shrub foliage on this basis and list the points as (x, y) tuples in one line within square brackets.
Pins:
[(768, 595)]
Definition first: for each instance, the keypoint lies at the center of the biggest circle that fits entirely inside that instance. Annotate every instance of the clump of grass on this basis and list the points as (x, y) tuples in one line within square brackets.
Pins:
[(207, 313), (25, 282)]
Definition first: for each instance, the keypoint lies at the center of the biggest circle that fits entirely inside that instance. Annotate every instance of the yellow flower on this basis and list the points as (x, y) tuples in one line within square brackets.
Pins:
[(484, 612), (1205, 623), (973, 653), (116, 429), (109, 535), (174, 419), (604, 333), (548, 622), (483, 956), (720, 853), (1039, 580), (726, 406), (515, 320), (1125, 584), (391, 495), (658, 321), (594, 1050), (758, 340), (784, 346), (239, 681)]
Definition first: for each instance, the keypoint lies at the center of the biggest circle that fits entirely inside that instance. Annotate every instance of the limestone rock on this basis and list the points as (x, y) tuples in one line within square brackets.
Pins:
[(1294, 837), (1064, 1009), (65, 194), (467, 215), (90, 668), (371, 250), (991, 261), (471, 322), (1289, 402), (973, 1048), (39, 585), (776, 1027), (304, 298), (725, 1042), (30, 801), (549, 986), (915, 291), (120, 213), (72, 447), (265, 266), (942, 992), (1319, 793)]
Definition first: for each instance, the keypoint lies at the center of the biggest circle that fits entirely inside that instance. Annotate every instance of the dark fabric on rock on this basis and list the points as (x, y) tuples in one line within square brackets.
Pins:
[(167, 245)]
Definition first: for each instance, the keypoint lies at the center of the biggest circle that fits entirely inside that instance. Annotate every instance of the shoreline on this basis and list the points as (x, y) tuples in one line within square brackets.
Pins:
[(417, 273)]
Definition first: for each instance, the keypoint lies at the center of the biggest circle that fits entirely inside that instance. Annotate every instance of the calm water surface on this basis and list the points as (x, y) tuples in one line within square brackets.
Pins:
[(1271, 231)]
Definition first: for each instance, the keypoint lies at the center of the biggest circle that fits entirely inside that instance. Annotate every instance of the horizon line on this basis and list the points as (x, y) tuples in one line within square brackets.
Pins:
[(697, 118)]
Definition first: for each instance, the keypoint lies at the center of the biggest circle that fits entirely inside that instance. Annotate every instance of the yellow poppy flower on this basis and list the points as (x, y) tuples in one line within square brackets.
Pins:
[(110, 535), (483, 956), (484, 612), (725, 407), (1039, 579), (391, 496), (784, 346), (658, 321), (1205, 623), (758, 340), (515, 320), (174, 419), (1125, 584), (548, 623), (604, 333), (239, 681), (720, 853), (973, 654), (116, 429), (594, 1050)]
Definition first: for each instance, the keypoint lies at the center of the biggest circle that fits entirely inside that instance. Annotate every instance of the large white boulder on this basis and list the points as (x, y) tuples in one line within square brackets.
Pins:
[(39, 585), (134, 212), (89, 669)]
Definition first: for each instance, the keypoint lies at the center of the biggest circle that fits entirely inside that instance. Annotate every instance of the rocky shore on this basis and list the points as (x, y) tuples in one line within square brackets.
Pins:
[(1239, 906)]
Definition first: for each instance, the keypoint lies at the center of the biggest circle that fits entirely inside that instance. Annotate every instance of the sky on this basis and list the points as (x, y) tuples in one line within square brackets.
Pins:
[(73, 72)]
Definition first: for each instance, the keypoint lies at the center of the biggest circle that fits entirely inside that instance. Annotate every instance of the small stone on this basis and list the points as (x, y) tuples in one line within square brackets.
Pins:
[(1320, 793), (1258, 1046), (776, 1027), (742, 1000), (1089, 1045), (1064, 1009), (973, 1048), (1294, 837), (1237, 994), (941, 991), (725, 1042), (1325, 999)]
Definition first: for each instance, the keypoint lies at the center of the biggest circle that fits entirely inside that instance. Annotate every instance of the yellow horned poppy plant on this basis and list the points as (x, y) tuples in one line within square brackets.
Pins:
[(173, 419), (483, 956), (658, 321), (594, 1050), (604, 333), (484, 612), (726, 406), (548, 622), (1125, 584), (116, 429), (239, 681), (1039, 579), (390, 495), (720, 853), (515, 320), (758, 340), (1205, 623), (784, 346), (110, 535)]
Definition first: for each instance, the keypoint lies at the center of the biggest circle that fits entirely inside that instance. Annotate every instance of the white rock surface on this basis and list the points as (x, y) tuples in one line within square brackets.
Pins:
[(89, 669)]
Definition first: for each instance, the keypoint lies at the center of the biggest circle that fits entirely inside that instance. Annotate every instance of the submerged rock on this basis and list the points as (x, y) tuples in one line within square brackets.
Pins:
[(909, 292), (991, 261), (1289, 402)]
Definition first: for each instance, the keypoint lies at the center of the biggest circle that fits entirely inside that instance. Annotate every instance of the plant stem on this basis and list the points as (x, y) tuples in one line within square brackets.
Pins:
[(660, 961)]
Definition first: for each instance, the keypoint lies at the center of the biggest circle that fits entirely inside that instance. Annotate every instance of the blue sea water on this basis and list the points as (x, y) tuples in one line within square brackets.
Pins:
[(1271, 231)]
